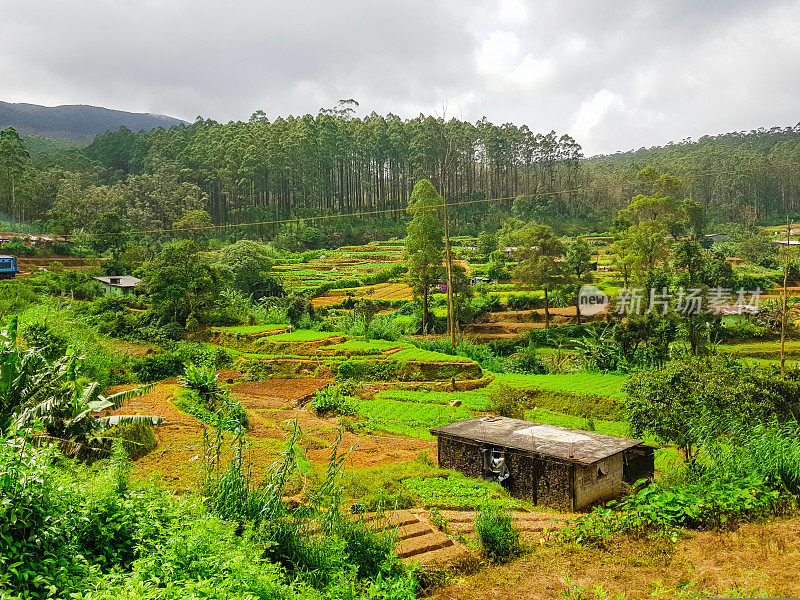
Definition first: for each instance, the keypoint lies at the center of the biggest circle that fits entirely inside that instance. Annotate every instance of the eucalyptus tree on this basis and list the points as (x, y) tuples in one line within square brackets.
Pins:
[(425, 242)]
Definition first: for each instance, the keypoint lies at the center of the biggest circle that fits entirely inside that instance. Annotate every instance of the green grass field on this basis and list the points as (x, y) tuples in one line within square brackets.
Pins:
[(413, 419), (582, 383), (302, 335), (472, 400), (252, 328), (407, 351), (763, 349)]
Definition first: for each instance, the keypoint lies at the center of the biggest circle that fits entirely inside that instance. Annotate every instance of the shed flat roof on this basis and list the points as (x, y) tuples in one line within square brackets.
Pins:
[(574, 445), (123, 280)]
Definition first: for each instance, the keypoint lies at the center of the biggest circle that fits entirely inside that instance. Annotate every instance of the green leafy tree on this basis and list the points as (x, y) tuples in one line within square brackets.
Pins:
[(180, 281), (366, 309), (688, 402), (538, 251), (579, 268), (424, 242), (193, 225), (487, 243), (249, 263), (14, 161), (109, 234)]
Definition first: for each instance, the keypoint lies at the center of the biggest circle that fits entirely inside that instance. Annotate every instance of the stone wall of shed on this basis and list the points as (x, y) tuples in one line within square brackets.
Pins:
[(589, 488), (538, 479)]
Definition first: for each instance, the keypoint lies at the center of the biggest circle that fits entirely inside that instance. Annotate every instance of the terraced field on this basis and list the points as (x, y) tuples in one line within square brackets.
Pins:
[(389, 291), (345, 263)]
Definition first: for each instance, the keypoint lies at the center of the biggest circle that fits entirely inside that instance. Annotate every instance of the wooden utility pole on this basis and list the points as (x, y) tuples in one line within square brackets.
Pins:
[(785, 299), (451, 313), (452, 326)]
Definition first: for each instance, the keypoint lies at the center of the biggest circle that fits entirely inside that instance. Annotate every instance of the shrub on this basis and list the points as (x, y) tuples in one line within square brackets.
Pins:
[(508, 402), (362, 370), (229, 415), (384, 327), (523, 302), (137, 438), (526, 361), (41, 336), (203, 381), (499, 539), (156, 368), (331, 400)]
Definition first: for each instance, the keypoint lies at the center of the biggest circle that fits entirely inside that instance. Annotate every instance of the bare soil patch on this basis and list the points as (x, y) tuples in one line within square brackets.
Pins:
[(276, 393), (752, 561), (269, 404)]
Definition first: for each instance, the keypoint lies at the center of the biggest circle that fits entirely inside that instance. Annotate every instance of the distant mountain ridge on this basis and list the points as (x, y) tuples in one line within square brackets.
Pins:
[(76, 121)]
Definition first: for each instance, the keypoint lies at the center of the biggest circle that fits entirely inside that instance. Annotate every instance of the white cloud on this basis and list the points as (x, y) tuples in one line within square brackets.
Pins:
[(592, 113), (498, 52)]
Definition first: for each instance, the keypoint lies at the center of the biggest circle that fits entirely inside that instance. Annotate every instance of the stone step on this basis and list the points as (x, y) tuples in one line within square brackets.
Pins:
[(396, 518), (442, 557), (424, 543), (413, 530)]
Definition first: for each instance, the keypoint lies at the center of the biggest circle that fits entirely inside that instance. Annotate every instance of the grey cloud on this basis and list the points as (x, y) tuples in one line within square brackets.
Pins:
[(616, 74)]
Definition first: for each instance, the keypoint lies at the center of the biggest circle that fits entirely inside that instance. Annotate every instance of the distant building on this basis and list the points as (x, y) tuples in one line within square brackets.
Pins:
[(787, 242), (477, 280), (122, 285), (568, 469), (734, 260), (716, 237)]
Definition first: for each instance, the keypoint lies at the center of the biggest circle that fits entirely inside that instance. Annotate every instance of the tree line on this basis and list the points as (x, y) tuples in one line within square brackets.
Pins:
[(333, 163)]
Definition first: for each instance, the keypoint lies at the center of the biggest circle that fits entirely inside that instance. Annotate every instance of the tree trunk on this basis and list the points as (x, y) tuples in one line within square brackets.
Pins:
[(578, 305), (451, 313), (546, 310), (424, 301)]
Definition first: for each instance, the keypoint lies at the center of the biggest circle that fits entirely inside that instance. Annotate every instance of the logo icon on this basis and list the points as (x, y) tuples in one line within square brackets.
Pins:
[(592, 301)]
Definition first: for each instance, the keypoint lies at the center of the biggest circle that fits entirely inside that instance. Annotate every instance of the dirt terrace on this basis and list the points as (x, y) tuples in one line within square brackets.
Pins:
[(272, 406)]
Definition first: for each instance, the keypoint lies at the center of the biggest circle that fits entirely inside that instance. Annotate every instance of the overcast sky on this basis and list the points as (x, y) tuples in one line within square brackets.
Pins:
[(615, 75)]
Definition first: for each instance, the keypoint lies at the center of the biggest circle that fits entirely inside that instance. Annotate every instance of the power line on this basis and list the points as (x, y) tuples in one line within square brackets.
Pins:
[(398, 211)]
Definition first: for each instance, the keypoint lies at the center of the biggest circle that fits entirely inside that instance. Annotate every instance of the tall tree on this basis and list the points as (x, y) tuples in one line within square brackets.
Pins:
[(14, 160), (538, 253), (425, 242), (579, 268)]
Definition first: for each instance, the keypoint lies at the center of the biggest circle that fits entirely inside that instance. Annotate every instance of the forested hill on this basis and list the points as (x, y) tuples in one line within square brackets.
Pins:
[(335, 163), (75, 122)]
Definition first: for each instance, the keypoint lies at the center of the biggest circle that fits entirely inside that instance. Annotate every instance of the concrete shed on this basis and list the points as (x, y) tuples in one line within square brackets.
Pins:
[(567, 469)]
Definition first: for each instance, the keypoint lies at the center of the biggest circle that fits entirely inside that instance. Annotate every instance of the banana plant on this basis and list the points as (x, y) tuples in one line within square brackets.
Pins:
[(48, 396)]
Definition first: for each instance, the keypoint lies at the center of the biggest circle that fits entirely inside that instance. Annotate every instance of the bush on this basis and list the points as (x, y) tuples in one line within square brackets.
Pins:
[(499, 539), (331, 400), (363, 370), (384, 327), (508, 402), (524, 302), (156, 368), (229, 415), (203, 381), (138, 439), (526, 361), (41, 336)]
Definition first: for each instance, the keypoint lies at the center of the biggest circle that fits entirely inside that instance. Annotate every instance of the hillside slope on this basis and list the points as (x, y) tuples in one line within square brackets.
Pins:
[(75, 122)]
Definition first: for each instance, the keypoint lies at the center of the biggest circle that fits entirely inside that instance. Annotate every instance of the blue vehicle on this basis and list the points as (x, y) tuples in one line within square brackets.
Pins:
[(8, 267)]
